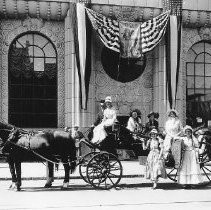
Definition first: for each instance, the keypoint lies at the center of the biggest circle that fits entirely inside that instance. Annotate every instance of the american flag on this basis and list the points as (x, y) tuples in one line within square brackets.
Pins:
[(151, 31)]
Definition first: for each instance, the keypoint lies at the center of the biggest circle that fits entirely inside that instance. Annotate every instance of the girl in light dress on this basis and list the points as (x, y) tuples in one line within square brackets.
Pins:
[(155, 167), (173, 129), (189, 171), (109, 117)]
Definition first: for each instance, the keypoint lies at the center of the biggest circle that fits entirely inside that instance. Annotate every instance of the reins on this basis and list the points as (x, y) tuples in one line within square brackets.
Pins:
[(31, 150)]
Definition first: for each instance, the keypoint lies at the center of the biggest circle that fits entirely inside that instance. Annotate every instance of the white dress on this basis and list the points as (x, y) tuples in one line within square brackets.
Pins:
[(173, 128), (99, 133), (133, 125), (189, 172)]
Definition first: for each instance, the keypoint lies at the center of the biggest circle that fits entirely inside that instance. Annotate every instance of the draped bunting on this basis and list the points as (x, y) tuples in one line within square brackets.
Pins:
[(173, 50), (130, 39), (82, 39)]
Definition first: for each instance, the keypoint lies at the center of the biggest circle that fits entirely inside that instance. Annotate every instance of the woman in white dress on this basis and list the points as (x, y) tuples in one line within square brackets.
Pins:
[(173, 129), (109, 117), (134, 122), (189, 171)]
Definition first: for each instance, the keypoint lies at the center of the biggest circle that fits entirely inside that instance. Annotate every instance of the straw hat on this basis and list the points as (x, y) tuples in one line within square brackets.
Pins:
[(188, 127), (108, 99), (153, 131), (156, 114)]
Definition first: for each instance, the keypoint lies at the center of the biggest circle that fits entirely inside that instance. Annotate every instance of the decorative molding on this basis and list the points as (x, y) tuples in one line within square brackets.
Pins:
[(50, 10), (10, 29)]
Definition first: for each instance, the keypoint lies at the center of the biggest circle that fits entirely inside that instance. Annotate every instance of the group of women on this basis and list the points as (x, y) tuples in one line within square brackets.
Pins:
[(189, 170)]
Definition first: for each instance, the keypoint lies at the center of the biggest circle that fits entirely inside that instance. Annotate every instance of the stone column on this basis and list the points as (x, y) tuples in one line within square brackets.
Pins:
[(160, 103), (73, 112), (72, 100)]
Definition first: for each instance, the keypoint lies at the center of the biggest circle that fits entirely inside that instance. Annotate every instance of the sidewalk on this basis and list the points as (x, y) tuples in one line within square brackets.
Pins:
[(37, 171)]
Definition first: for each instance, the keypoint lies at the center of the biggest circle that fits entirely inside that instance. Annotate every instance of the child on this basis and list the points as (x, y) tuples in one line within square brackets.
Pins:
[(155, 162)]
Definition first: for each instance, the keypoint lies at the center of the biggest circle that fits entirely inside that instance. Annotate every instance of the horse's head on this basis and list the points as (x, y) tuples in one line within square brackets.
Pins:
[(11, 136)]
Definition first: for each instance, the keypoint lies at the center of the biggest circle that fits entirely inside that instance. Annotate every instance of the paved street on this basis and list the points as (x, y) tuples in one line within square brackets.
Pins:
[(132, 193)]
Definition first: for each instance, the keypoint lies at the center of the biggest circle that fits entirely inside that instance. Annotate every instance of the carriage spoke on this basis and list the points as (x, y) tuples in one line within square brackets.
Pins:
[(206, 174), (207, 168)]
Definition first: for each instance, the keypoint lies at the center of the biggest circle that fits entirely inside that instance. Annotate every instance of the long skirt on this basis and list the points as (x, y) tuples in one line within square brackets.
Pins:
[(189, 172), (99, 134), (155, 167)]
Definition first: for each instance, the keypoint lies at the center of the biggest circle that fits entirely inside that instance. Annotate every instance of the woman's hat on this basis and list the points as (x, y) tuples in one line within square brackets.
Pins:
[(156, 115), (188, 127), (174, 111), (153, 131), (108, 99)]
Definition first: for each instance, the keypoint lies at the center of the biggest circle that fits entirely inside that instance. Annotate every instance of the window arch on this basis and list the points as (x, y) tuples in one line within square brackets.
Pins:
[(32, 80), (198, 77)]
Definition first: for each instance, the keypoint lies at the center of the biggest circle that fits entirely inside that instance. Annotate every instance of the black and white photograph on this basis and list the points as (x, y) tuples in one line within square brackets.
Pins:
[(105, 104)]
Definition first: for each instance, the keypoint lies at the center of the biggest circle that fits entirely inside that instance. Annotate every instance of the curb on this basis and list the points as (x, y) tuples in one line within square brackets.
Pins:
[(61, 177)]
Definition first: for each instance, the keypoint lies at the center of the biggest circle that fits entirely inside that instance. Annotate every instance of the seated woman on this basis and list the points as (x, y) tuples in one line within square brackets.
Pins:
[(134, 122), (173, 128), (153, 123), (109, 117)]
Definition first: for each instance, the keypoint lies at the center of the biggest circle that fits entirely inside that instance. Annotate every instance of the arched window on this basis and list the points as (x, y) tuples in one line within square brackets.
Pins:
[(198, 72), (32, 80)]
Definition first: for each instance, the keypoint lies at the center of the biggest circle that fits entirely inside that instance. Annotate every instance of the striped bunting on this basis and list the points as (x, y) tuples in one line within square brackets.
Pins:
[(151, 31), (107, 29)]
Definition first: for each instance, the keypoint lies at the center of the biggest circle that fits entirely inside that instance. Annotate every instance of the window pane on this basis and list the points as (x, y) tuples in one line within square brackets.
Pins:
[(208, 69), (49, 50), (190, 92), (200, 58), (40, 41), (190, 82), (38, 64), (208, 82), (199, 82), (199, 69), (38, 52), (190, 69), (191, 56), (208, 95), (207, 58)]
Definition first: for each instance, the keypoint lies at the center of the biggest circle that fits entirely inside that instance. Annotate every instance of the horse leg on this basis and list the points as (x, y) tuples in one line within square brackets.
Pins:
[(12, 171), (49, 174), (18, 174), (67, 173)]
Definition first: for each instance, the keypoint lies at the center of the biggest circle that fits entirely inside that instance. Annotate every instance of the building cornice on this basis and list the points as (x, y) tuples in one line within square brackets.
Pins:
[(136, 11)]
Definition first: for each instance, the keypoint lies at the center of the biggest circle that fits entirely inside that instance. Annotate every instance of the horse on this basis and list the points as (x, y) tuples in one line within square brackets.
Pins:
[(51, 146)]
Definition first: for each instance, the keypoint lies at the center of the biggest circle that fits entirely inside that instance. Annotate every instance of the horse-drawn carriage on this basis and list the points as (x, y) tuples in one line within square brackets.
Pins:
[(101, 168)]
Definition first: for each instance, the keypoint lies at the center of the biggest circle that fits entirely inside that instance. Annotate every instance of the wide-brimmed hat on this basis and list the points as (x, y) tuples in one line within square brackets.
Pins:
[(156, 115), (153, 131), (188, 127), (137, 111), (174, 111), (108, 99)]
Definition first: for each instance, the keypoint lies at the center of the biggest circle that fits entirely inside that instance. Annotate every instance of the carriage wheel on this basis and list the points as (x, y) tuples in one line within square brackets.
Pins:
[(172, 174), (104, 171), (205, 165), (83, 164)]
